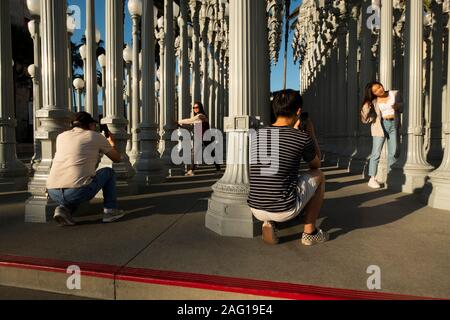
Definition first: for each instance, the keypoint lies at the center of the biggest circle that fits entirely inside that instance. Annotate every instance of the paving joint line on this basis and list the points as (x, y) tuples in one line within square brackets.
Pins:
[(119, 271)]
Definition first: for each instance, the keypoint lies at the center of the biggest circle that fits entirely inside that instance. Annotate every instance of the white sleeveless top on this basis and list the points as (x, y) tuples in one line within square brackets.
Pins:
[(387, 108)]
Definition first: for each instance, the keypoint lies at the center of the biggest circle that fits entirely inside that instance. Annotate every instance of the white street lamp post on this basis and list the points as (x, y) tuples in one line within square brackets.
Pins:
[(128, 58), (34, 28), (102, 62), (78, 84), (135, 10), (92, 38)]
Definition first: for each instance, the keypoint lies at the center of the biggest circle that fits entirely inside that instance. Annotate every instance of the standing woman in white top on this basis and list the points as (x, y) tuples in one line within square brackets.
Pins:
[(381, 109)]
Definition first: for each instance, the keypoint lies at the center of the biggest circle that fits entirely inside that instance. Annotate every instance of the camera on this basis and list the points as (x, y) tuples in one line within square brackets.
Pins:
[(105, 130)]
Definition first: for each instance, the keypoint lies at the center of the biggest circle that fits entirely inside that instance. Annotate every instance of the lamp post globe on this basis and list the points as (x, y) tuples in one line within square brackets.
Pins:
[(71, 24), (83, 51), (176, 10), (155, 16), (135, 7), (34, 6), (161, 23), (32, 70), (98, 36), (78, 84), (128, 54), (102, 60), (32, 27)]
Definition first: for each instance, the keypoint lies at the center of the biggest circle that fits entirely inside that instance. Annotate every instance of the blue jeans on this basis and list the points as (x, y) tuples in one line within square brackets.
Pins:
[(390, 133), (105, 179)]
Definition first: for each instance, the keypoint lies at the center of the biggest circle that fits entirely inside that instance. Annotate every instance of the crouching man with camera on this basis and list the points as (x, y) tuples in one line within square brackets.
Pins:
[(279, 192), (73, 177)]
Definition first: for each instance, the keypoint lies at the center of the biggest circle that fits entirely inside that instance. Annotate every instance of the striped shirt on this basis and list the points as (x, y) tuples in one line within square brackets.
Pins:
[(275, 156)]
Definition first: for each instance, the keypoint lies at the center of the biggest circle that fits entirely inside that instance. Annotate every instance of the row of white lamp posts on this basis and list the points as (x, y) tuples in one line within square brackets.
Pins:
[(135, 10), (132, 94)]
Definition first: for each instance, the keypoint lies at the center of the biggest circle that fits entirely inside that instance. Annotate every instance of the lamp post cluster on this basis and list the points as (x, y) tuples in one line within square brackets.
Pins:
[(208, 68), (341, 49)]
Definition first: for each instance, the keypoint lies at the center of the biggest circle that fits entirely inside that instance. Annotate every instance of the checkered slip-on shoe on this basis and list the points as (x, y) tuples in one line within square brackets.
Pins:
[(269, 233), (320, 237)]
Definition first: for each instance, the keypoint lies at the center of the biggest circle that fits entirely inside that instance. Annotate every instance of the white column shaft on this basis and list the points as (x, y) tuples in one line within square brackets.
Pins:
[(91, 61)]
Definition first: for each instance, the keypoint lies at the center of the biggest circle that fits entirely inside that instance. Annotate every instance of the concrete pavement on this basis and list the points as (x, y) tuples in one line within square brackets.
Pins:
[(164, 230)]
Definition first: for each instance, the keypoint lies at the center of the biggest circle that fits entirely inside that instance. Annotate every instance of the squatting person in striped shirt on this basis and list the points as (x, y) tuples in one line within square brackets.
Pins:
[(279, 192)]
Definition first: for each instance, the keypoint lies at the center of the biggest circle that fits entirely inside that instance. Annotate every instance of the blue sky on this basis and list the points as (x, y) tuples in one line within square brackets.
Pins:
[(277, 71)]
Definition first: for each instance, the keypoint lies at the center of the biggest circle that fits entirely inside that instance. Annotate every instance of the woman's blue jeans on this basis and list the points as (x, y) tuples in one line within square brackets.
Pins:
[(105, 179), (390, 134)]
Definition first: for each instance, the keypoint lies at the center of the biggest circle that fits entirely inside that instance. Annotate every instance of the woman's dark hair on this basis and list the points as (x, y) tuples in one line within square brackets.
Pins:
[(286, 103), (200, 107), (368, 94)]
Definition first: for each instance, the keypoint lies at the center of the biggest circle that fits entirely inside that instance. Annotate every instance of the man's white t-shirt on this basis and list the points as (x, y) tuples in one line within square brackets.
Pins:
[(77, 157)]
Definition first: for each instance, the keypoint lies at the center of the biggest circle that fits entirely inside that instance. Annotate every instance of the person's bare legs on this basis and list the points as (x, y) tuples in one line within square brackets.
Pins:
[(312, 209)]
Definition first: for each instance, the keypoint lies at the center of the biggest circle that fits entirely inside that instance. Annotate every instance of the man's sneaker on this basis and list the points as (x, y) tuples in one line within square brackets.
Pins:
[(113, 215), (269, 233), (63, 217), (373, 183), (319, 237)]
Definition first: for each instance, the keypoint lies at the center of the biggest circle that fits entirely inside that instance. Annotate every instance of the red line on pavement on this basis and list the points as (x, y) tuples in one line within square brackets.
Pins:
[(200, 281)]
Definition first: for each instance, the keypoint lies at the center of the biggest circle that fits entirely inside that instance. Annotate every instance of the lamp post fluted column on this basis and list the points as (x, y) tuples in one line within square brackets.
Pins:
[(386, 69), (148, 164), (114, 115), (161, 118), (352, 83), (34, 28), (204, 24), (359, 162), (263, 75), (410, 172), (13, 173), (211, 76), (91, 61), (386, 44), (54, 115), (228, 213), (135, 96), (217, 82), (71, 24), (169, 86), (342, 94), (102, 62), (184, 97), (127, 57), (437, 191), (435, 153), (195, 16)]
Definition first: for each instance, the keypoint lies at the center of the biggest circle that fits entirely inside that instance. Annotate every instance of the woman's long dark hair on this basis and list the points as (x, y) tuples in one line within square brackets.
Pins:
[(201, 109), (369, 97)]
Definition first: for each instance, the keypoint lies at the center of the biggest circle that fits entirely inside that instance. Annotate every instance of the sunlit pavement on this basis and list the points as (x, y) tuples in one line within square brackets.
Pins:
[(164, 230)]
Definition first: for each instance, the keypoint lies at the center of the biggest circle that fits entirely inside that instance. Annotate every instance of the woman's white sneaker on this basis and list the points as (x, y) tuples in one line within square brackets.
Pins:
[(373, 183)]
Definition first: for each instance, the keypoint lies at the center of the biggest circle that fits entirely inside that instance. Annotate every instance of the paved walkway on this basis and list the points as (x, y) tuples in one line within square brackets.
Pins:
[(164, 230)]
